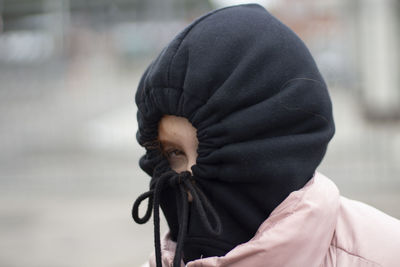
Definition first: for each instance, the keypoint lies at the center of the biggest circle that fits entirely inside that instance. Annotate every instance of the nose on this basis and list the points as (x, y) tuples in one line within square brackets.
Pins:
[(191, 161)]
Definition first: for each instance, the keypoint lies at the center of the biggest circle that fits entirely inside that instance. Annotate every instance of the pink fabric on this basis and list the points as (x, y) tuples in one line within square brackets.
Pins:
[(313, 226)]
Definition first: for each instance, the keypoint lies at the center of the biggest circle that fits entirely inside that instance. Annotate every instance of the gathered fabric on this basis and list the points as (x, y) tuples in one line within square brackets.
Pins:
[(186, 184)]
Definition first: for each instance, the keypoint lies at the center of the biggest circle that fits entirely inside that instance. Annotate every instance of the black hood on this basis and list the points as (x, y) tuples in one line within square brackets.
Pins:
[(262, 112)]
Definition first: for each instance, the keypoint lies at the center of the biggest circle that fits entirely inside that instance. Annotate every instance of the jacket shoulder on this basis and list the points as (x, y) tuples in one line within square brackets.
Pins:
[(365, 236)]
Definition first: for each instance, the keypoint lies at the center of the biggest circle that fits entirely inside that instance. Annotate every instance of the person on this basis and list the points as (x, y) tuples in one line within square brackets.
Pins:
[(235, 118)]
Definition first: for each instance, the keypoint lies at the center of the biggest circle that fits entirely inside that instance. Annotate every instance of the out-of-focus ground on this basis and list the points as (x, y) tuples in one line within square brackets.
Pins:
[(68, 167), (68, 161)]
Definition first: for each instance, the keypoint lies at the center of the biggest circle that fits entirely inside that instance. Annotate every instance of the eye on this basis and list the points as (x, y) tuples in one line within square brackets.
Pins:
[(174, 153), (176, 158)]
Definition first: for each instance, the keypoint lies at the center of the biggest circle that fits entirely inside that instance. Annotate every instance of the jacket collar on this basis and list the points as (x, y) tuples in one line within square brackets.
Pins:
[(297, 233)]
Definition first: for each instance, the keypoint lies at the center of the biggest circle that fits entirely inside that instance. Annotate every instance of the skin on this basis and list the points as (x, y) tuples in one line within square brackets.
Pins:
[(179, 142)]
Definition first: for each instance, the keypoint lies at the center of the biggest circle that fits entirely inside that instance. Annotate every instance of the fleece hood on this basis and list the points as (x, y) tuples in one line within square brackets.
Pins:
[(263, 116)]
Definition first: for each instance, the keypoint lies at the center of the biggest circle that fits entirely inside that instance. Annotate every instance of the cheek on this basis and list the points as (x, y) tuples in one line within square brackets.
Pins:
[(178, 163)]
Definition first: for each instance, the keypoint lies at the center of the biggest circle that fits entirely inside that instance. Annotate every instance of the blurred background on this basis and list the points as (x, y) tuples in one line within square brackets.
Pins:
[(68, 75)]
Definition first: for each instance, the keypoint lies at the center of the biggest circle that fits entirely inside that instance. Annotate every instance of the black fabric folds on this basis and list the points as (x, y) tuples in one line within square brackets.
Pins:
[(262, 112)]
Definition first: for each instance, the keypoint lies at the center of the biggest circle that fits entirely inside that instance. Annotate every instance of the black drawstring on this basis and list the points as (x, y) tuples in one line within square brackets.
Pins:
[(186, 184)]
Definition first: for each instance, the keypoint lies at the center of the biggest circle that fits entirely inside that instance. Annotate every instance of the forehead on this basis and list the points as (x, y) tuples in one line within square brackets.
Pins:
[(176, 129)]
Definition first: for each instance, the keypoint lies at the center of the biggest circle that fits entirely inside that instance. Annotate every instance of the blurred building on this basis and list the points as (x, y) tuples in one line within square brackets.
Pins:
[(377, 37), (35, 30)]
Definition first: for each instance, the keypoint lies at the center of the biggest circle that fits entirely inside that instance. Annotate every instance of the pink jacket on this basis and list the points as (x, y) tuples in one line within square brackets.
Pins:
[(313, 226)]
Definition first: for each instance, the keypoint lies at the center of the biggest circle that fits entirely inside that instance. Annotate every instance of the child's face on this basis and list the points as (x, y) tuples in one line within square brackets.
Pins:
[(179, 142)]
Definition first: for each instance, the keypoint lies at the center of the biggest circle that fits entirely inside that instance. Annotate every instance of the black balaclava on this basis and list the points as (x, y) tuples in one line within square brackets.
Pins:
[(263, 116)]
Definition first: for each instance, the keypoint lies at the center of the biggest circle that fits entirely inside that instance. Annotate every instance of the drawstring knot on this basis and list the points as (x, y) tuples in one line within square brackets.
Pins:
[(181, 178), (186, 184)]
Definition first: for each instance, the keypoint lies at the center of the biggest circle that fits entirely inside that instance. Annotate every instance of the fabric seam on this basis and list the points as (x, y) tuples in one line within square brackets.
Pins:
[(299, 109), (355, 255), (289, 213)]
